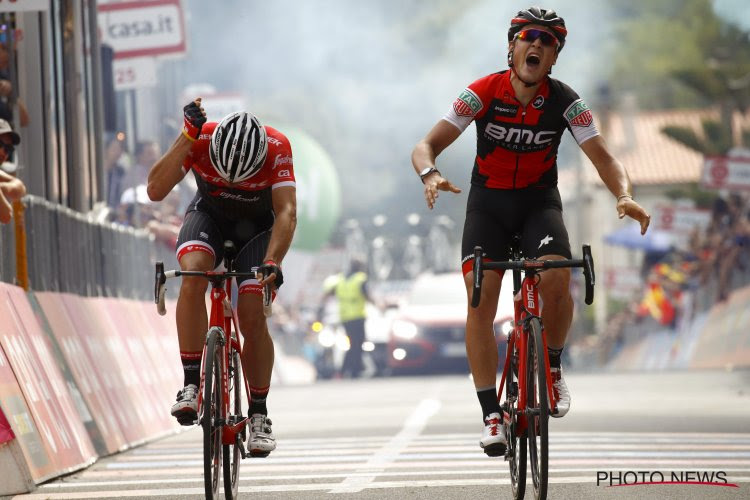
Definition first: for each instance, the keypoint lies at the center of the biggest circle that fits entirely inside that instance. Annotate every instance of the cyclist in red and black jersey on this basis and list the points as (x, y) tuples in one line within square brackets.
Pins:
[(246, 194), (520, 116)]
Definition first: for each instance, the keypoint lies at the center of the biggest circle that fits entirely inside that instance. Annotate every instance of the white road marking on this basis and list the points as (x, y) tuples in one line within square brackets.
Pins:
[(383, 457)]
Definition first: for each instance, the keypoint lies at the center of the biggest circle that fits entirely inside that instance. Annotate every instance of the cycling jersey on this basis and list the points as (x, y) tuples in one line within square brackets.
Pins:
[(516, 144), (250, 199)]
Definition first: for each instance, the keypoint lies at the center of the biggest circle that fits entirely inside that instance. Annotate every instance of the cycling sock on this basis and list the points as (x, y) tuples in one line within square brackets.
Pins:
[(191, 365), (554, 356), (488, 399), (258, 400)]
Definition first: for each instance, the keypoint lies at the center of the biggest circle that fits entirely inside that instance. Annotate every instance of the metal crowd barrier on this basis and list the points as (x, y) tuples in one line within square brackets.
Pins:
[(68, 251)]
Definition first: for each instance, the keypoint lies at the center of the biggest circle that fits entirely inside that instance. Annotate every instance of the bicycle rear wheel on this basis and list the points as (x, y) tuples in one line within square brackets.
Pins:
[(516, 443), (212, 407), (538, 405), (231, 459)]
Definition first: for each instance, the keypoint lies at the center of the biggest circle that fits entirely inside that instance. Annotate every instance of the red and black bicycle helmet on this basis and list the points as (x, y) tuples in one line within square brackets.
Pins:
[(543, 17)]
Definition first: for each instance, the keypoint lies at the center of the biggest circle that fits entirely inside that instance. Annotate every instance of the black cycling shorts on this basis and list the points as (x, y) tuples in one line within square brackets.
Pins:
[(204, 231), (493, 216)]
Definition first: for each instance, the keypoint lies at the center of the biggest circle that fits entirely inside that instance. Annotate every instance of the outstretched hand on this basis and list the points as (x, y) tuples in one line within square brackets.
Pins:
[(434, 183), (628, 206)]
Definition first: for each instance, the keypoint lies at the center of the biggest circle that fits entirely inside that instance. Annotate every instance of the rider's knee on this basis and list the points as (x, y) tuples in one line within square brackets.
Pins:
[(252, 325)]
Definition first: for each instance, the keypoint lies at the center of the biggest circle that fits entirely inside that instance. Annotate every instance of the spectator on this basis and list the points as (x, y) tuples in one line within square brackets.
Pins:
[(115, 170), (11, 189), (146, 154), (7, 98)]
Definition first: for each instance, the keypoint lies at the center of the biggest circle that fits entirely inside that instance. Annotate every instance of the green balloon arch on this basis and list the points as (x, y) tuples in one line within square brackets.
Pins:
[(318, 190)]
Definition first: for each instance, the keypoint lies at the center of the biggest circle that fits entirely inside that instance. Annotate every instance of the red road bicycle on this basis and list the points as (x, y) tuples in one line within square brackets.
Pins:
[(220, 392), (526, 377)]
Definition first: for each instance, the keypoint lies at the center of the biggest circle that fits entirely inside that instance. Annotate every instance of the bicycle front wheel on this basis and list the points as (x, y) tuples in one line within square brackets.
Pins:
[(231, 459), (516, 440), (212, 407), (538, 406)]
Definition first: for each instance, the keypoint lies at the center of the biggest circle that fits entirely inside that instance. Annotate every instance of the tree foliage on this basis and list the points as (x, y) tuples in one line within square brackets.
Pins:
[(679, 53)]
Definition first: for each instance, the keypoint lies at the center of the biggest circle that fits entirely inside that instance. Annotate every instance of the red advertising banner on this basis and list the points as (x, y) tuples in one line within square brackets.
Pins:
[(45, 391)]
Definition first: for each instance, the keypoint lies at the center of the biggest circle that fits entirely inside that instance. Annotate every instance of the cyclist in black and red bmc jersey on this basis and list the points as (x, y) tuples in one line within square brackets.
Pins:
[(246, 194), (520, 116)]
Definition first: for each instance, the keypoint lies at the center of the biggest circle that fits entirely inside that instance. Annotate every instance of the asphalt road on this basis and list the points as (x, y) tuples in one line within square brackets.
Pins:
[(417, 438)]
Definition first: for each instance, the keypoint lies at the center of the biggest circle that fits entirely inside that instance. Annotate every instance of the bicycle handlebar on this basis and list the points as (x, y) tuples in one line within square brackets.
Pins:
[(161, 276), (587, 263)]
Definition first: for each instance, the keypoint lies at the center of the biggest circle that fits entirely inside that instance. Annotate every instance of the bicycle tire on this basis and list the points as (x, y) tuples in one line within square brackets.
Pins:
[(516, 442), (211, 420), (538, 401), (231, 458)]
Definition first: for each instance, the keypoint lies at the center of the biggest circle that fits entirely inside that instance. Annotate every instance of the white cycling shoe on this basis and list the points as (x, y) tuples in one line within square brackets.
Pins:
[(562, 394), (493, 440), (262, 441), (185, 410)]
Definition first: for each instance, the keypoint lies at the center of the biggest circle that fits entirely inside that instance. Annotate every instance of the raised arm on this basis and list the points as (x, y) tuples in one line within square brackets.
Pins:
[(615, 177), (167, 171)]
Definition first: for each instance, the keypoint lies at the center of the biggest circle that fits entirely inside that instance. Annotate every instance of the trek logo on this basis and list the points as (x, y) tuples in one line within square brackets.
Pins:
[(578, 114), (467, 104), (545, 241), (510, 110), (511, 135), (530, 296)]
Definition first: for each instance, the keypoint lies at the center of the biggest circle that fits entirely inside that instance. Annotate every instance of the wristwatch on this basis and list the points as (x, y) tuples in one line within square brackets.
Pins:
[(427, 171)]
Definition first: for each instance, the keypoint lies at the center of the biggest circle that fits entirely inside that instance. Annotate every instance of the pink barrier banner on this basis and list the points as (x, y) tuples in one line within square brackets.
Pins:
[(45, 390), (86, 369), (725, 339), (110, 364), (21, 422), (152, 361)]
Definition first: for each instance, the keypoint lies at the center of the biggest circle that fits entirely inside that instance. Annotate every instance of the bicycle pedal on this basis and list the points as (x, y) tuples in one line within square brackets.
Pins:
[(259, 453), (186, 420), (495, 450)]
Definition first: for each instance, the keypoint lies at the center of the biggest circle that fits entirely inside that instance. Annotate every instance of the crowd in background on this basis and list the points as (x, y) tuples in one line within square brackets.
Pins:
[(684, 281)]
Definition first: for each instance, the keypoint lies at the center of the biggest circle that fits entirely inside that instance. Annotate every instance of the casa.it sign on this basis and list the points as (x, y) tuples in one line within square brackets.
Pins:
[(143, 28), (726, 172)]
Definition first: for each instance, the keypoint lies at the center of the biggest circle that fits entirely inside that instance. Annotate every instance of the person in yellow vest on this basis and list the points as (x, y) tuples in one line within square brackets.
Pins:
[(351, 293)]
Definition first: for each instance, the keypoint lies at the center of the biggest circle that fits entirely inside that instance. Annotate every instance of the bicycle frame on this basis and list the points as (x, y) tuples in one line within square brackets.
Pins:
[(223, 315), (526, 306)]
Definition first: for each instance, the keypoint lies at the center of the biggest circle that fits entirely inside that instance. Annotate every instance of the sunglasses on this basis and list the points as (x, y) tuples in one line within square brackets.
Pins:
[(532, 35), (9, 148)]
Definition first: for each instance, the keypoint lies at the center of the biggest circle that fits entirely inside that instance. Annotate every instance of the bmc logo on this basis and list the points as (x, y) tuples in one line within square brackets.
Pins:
[(530, 296), (518, 135)]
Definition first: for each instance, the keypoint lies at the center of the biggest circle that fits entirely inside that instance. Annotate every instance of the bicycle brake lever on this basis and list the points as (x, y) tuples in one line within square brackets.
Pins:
[(588, 273)]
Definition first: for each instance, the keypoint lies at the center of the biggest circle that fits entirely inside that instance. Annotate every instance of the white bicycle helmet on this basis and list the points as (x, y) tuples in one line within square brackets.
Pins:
[(238, 147)]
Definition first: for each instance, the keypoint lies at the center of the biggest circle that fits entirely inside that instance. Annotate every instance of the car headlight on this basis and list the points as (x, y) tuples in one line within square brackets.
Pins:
[(404, 329)]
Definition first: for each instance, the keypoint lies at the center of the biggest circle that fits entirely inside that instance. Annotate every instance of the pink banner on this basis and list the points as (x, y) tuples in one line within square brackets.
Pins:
[(57, 420), (86, 368)]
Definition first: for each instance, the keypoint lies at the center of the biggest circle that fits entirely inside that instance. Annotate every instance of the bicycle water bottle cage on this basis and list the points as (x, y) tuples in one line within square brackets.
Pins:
[(230, 252)]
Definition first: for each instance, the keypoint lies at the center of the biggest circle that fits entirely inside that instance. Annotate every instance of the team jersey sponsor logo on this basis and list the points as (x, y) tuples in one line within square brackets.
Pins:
[(284, 173), (519, 139), (282, 160), (578, 114), (538, 102), (467, 104), (233, 196), (273, 140), (504, 109)]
